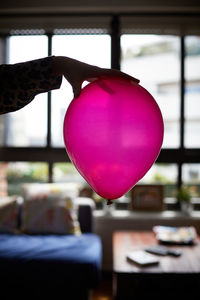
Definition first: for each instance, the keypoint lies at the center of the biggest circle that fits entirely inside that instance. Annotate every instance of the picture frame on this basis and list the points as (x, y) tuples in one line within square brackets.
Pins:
[(147, 198)]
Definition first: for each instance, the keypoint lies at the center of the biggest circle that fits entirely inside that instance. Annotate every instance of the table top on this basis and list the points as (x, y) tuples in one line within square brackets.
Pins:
[(126, 241)]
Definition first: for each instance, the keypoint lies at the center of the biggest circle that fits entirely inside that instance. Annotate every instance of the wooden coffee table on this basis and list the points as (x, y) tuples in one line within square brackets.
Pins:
[(173, 275)]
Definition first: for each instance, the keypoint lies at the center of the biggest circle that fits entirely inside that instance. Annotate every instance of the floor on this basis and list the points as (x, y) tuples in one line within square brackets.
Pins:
[(104, 290)]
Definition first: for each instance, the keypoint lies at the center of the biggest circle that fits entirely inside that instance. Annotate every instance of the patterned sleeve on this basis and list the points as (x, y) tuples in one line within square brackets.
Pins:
[(20, 83)]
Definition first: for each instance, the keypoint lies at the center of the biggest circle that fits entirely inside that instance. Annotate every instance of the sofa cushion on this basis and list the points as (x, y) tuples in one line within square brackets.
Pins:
[(9, 213), (49, 209), (74, 259)]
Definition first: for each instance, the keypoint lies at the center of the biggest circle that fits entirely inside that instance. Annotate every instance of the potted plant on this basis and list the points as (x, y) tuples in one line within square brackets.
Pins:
[(184, 197)]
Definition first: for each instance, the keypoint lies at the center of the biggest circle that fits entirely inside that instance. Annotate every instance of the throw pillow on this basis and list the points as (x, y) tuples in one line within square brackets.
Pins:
[(31, 189), (48, 211)]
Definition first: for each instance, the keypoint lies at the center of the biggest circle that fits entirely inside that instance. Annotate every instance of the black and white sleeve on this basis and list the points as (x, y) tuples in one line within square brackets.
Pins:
[(20, 83)]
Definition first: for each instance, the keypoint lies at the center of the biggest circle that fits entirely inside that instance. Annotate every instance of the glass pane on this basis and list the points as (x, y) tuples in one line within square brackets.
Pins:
[(3, 179), (191, 177), (192, 92), (66, 172), (165, 174), (2, 129), (92, 49), (28, 126), (23, 172), (154, 59)]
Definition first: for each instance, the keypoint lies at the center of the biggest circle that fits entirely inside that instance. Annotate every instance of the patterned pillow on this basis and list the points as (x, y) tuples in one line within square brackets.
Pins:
[(9, 214), (31, 189), (49, 211)]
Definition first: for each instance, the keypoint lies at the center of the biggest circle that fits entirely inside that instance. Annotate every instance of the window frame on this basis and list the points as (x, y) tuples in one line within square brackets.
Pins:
[(50, 154)]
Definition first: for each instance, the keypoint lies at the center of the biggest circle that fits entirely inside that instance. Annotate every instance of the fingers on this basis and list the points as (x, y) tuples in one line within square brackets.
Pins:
[(102, 73), (90, 73), (113, 72), (76, 89), (92, 79)]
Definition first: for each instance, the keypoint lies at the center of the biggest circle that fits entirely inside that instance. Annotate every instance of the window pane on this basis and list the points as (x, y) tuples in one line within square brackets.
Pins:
[(154, 59), (23, 172), (192, 92), (66, 172), (191, 177), (92, 49), (28, 126), (3, 179), (165, 174), (2, 129)]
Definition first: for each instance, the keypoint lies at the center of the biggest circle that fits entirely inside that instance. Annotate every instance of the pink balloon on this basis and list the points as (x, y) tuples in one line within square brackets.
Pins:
[(113, 134)]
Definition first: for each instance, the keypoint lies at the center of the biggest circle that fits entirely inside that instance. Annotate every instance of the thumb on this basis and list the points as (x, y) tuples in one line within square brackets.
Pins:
[(76, 89)]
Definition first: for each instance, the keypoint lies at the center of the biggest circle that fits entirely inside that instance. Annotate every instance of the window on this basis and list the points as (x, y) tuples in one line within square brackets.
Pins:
[(95, 49), (66, 172), (27, 127), (19, 173), (153, 49), (154, 59), (191, 177), (165, 174), (192, 92)]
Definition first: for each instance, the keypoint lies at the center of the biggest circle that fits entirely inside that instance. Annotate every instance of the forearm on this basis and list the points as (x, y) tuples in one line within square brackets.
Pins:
[(20, 83)]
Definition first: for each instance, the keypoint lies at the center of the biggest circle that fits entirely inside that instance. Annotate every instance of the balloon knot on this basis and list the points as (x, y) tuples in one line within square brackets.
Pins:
[(109, 202)]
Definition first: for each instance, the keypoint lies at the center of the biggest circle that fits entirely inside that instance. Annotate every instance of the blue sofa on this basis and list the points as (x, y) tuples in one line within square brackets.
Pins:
[(52, 265)]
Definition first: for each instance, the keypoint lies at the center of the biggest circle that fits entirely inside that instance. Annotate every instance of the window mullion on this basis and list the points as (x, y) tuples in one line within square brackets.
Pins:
[(50, 168), (115, 43), (49, 97), (182, 88), (182, 104)]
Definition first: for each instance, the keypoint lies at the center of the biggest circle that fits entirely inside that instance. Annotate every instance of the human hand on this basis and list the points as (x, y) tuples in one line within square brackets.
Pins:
[(77, 72)]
